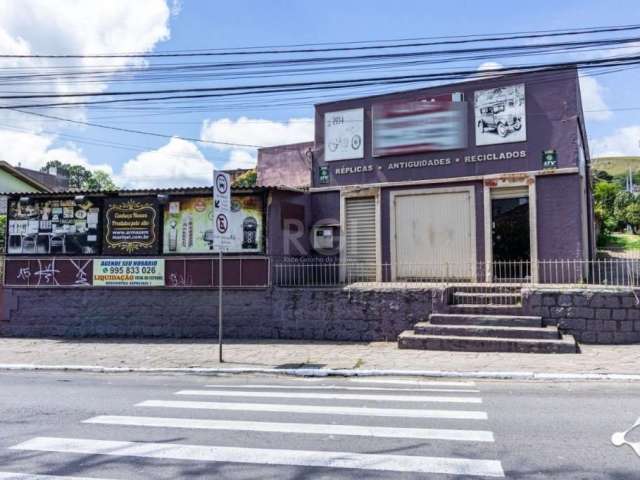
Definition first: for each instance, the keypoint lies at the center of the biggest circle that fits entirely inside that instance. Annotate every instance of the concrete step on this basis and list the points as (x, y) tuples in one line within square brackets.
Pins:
[(485, 320), (486, 309), (411, 340), (426, 328), (487, 298)]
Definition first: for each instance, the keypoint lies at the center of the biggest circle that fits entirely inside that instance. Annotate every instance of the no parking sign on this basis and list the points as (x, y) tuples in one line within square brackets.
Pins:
[(221, 210)]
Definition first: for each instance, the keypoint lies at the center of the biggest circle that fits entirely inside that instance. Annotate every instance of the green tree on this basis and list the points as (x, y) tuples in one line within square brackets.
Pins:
[(246, 180), (632, 215), (80, 178), (621, 202)]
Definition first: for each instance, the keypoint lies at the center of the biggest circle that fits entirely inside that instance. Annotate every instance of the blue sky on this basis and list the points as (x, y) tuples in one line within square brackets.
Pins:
[(155, 25)]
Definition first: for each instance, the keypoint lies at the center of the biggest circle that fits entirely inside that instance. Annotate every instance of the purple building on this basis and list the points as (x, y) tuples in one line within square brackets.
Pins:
[(484, 179)]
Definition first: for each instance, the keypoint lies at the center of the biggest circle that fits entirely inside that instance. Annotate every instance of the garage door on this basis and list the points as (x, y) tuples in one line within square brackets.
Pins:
[(434, 235), (360, 239)]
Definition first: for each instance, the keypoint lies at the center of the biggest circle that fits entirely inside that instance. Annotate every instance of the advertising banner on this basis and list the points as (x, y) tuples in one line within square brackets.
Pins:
[(343, 134), (128, 272), (131, 226), (500, 115), (53, 227), (414, 126), (188, 225)]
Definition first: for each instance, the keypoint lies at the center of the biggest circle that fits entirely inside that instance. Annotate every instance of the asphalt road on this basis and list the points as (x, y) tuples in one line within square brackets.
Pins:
[(134, 427)]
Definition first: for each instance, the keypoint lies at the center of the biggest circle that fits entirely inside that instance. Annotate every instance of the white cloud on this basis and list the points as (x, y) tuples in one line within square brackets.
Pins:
[(259, 132), (240, 159), (593, 100), (179, 163), (32, 150), (623, 142), (70, 27)]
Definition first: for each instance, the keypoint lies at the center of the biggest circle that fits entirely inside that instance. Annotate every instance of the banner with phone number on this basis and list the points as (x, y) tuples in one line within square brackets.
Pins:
[(128, 272)]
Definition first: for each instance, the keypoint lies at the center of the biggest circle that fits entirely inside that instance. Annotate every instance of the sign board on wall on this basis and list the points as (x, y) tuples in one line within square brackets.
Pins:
[(343, 134), (500, 115), (188, 225), (53, 227), (131, 226), (411, 126), (128, 272)]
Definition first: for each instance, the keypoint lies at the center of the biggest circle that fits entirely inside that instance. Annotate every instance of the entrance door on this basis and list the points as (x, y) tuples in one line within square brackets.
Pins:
[(510, 234), (434, 234)]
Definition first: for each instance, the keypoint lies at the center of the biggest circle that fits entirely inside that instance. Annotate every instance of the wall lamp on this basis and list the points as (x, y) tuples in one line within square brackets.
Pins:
[(24, 199), (163, 198), (79, 198)]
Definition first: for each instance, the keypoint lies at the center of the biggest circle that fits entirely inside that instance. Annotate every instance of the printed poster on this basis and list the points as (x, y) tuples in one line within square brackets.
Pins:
[(128, 272), (188, 225), (343, 134), (131, 226), (500, 115)]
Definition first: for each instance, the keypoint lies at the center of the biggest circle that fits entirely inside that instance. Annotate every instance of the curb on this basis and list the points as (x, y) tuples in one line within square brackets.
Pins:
[(328, 372)]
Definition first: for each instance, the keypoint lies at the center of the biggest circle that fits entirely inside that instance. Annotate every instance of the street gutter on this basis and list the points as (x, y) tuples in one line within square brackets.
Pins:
[(327, 372)]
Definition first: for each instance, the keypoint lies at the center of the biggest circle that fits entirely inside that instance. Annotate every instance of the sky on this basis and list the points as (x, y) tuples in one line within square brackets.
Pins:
[(611, 102)]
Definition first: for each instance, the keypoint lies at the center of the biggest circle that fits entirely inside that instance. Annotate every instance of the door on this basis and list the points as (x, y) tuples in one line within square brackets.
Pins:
[(510, 235), (360, 239), (434, 235)]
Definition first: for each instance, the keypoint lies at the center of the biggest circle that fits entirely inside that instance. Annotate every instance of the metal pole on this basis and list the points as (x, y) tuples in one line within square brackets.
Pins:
[(220, 305)]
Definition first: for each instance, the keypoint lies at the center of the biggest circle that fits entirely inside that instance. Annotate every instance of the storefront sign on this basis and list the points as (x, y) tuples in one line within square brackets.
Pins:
[(343, 134), (128, 272), (188, 225), (412, 126), (323, 174), (549, 159), (500, 115), (53, 227), (131, 226)]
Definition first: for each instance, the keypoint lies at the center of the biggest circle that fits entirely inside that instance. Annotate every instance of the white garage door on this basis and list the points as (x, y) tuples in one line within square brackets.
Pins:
[(434, 235), (360, 239)]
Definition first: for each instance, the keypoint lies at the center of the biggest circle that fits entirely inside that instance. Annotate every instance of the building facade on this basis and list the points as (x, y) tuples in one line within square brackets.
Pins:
[(486, 179)]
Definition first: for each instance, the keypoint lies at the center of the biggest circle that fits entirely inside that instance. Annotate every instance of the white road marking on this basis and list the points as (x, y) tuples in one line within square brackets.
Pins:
[(413, 382), (33, 476), (340, 387), (263, 456), (319, 409), (332, 396), (302, 428)]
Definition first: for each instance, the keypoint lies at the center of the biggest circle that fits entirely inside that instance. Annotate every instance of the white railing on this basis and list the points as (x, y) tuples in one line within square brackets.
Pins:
[(305, 272)]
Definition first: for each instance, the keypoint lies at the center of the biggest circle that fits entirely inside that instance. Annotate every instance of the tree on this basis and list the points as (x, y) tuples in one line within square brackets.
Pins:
[(621, 202), (80, 178), (632, 215), (246, 180)]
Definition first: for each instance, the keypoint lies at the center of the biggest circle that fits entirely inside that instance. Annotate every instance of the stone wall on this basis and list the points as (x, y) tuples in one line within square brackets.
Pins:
[(278, 313), (593, 315)]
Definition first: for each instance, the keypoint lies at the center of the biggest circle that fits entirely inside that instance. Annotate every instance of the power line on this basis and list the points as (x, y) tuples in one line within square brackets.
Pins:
[(275, 51), (341, 84), (140, 132)]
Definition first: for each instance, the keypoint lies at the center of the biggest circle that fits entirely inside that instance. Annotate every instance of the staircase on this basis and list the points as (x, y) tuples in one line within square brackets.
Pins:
[(486, 319)]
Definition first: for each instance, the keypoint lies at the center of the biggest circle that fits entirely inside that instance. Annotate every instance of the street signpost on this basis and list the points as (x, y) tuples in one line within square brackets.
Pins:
[(221, 234)]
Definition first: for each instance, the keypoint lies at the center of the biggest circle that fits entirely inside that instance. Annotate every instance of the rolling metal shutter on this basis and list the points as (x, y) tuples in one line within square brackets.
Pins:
[(360, 238)]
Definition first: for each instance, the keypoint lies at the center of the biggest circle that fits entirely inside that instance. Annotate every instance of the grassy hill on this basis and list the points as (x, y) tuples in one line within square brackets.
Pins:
[(616, 165)]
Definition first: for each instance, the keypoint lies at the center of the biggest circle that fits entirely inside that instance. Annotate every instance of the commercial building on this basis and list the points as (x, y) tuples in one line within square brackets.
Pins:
[(483, 179)]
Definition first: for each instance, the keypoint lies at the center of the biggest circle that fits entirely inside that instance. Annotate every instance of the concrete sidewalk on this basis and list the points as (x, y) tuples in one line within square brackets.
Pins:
[(145, 353)]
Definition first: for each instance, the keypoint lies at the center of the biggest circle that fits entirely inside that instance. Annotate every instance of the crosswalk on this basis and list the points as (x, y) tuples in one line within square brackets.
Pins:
[(358, 428)]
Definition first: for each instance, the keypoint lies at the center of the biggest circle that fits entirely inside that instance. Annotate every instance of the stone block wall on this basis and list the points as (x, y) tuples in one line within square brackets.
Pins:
[(277, 313), (592, 315)]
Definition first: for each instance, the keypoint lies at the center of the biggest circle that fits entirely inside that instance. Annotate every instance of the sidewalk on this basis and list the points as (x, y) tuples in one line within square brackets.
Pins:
[(183, 353)]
